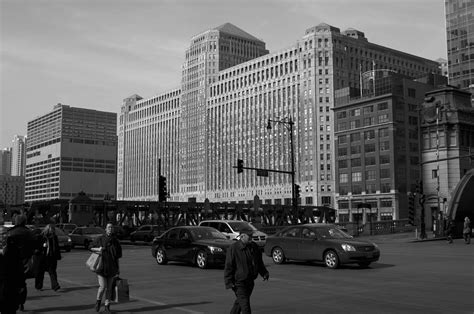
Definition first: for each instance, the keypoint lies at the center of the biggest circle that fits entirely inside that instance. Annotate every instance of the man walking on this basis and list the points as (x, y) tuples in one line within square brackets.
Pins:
[(242, 265)]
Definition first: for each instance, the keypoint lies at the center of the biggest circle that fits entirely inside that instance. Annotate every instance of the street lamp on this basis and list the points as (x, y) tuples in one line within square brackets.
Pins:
[(288, 124)]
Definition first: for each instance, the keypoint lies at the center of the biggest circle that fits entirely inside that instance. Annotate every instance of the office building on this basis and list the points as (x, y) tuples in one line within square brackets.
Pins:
[(12, 190), (377, 146), (447, 128), (18, 156), (460, 42), (5, 161), (231, 86), (71, 150)]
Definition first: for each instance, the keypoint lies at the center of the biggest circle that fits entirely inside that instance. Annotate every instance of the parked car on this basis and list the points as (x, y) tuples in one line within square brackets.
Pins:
[(67, 228), (65, 241), (231, 229), (84, 236), (197, 245), (320, 242), (145, 233)]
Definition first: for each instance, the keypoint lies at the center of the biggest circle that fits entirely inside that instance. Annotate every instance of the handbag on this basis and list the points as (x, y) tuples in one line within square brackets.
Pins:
[(94, 262), (120, 290)]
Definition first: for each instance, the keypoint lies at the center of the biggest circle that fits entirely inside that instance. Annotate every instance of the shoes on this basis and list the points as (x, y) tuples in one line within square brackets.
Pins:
[(107, 308), (97, 305), (22, 307), (56, 288)]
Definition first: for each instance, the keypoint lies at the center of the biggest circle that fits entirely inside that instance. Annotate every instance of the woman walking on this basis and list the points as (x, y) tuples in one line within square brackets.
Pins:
[(466, 231), (49, 256), (111, 251)]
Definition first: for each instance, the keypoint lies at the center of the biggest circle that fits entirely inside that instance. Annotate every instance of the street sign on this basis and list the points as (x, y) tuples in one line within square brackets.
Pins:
[(262, 173)]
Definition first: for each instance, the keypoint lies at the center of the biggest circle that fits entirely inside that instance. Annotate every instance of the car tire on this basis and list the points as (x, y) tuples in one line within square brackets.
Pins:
[(86, 244), (278, 256), (201, 259), (331, 259), (364, 264), (161, 257)]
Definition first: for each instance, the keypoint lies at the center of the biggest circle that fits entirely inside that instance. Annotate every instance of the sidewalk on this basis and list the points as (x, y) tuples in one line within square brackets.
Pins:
[(400, 238)]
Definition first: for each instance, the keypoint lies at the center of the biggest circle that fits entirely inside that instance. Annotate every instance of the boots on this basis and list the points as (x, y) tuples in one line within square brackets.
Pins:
[(97, 305), (107, 308)]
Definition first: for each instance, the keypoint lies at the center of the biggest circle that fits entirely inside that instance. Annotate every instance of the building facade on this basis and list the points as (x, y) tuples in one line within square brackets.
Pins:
[(231, 86), (447, 128), (460, 42), (18, 156), (377, 147), (70, 150)]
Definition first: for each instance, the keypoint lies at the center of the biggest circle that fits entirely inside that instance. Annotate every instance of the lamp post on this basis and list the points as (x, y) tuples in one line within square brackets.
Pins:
[(288, 124)]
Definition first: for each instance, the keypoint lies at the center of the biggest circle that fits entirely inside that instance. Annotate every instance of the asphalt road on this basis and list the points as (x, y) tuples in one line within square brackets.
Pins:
[(423, 277)]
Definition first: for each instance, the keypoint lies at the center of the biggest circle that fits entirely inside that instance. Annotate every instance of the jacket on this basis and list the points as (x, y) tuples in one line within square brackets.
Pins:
[(111, 253), (243, 263), (50, 246), (467, 227), (22, 238)]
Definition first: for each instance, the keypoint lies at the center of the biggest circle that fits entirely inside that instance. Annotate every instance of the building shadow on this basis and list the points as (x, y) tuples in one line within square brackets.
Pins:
[(155, 308)]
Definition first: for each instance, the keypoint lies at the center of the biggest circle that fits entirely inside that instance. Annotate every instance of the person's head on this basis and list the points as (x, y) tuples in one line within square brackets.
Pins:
[(109, 229), (466, 219), (49, 229), (245, 235), (20, 220)]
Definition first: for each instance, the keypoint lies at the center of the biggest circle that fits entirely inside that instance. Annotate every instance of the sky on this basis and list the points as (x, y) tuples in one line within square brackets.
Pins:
[(94, 53)]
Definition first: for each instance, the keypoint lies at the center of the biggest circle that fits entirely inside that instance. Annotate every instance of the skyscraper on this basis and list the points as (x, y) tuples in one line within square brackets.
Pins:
[(5, 161), (71, 150), (231, 86), (460, 40), (18, 156)]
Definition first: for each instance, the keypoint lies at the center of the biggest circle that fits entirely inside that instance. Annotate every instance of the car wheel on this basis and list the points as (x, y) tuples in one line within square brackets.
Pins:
[(201, 259), (161, 257), (331, 259), (278, 256), (86, 244), (364, 264)]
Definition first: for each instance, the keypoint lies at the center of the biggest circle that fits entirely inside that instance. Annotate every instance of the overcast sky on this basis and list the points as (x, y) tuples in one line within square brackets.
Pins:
[(94, 53)]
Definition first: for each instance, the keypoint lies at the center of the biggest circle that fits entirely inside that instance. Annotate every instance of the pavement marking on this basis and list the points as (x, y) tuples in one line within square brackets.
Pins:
[(135, 297)]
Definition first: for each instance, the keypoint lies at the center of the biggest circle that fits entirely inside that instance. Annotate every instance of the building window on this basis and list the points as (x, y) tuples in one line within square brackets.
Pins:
[(412, 92), (434, 173), (382, 106), (383, 118), (385, 187), (356, 176), (370, 174), (355, 137), (369, 160), (355, 162), (342, 164), (384, 173), (343, 178)]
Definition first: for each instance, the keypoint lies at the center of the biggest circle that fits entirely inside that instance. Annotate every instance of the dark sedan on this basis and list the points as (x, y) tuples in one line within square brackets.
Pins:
[(320, 242), (201, 246)]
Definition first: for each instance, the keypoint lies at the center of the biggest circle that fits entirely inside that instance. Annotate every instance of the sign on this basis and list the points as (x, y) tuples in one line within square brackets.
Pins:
[(262, 173)]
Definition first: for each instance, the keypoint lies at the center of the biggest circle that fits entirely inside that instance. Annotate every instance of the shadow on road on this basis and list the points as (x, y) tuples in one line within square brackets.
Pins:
[(69, 289), (159, 307)]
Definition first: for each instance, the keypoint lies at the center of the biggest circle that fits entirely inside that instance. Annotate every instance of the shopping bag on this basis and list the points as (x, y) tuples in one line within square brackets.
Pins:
[(120, 290), (32, 267), (94, 262)]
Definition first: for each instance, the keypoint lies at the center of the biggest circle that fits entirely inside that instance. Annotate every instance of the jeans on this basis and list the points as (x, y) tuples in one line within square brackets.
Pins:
[(243, 291), (105, 285)]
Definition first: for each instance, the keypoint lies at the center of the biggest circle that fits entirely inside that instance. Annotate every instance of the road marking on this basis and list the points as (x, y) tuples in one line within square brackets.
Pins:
[(136, 298)]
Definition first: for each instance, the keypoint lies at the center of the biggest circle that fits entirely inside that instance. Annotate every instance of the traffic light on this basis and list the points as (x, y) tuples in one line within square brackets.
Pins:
[(297, 191), (411, 208), (163, 191), (240, 166)]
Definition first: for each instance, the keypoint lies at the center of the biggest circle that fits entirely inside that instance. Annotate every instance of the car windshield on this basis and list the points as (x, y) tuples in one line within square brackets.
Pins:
[(206, 233), (332, 233), (92, 231), (239, 225)]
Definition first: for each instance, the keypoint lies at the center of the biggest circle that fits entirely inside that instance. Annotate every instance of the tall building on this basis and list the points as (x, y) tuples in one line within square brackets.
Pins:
[(460, 42), (5, 161), (447, 128), (71, 150), (231, 86), (18, 156), (12, 190), (377, 146)]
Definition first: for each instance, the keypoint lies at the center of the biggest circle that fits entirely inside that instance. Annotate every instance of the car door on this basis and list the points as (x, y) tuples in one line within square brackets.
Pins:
[(76, 236), (171, 242), (308, 246), (288, 241), (143, 232), (184, 247)]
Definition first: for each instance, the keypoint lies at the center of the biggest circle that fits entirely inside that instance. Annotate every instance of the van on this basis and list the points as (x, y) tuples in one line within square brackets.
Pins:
[(231, 229)]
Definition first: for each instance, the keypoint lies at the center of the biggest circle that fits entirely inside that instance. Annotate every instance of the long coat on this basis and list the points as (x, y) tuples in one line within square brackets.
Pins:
[(111, 253)]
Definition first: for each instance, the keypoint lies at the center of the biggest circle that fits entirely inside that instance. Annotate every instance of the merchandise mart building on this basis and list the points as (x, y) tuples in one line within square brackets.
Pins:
[(231, 86)]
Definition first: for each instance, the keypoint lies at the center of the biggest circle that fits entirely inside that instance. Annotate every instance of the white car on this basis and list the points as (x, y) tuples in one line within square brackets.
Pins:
[(231, 229)]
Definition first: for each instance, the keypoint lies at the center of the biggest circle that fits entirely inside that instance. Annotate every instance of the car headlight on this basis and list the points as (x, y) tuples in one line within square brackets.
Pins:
[(348, 248), (214, 249), (69, 240)]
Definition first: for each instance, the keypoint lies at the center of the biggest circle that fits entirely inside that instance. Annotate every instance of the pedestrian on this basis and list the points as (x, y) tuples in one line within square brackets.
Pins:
[(466, 231), (109, 247), (243, 263), (20, 245), (11, 270), (450, 230), (50, 254)]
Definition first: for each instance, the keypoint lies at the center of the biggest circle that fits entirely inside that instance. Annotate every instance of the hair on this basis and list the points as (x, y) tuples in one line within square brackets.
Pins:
[(49, 229), (20, 220)]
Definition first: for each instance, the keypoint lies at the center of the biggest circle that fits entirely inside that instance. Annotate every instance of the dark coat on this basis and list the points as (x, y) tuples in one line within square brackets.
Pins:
[(111, 253), (50, 247), (243, 263), (22, 238)]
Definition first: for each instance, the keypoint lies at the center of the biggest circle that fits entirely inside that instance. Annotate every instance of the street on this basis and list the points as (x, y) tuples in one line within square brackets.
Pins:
[(421, 277)]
